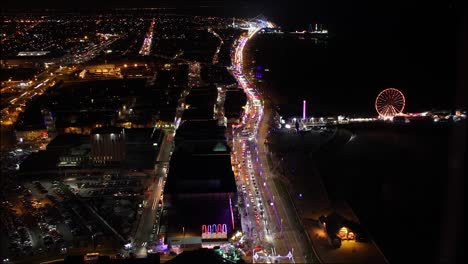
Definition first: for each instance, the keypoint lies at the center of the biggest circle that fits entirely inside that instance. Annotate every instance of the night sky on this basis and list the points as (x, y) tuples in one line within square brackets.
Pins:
[(284, 10), (343, 16), (420, 34)]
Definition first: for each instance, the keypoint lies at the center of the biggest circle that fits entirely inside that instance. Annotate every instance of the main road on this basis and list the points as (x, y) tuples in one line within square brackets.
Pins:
[(278, 232), (145, 232)]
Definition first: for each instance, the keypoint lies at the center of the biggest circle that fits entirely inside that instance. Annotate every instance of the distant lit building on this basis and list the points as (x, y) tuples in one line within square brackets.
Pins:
[(339, 228), (137, 71), (74, 157), (108, 145), (103, 70), (30, 135)]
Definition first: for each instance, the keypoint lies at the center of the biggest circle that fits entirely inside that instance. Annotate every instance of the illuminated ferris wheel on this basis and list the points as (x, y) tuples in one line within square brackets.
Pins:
[(390, 102)]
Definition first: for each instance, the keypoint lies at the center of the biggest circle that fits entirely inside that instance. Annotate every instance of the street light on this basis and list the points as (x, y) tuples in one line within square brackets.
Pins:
[(183, 238), (92, 237)]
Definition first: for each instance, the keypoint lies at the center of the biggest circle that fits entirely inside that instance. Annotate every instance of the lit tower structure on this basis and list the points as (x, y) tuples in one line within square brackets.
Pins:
[(304, 109)]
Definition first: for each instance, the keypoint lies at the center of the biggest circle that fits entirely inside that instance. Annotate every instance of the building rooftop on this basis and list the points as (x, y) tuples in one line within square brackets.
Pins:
[(40, 161), (107, 130), (199, 113), (235, 100), (215, 147), (140, 158), (335, 221), (142, 135), (76, 118), (204, 96), (216, 74), (141, 151), (201, 130), (67, 141), (199, 173), (200, 100)]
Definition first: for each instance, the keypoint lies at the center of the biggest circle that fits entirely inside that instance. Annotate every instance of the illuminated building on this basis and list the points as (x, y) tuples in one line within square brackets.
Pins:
[(29, 135), (199, 194), (108, 145), (103, 69), (339, 228)]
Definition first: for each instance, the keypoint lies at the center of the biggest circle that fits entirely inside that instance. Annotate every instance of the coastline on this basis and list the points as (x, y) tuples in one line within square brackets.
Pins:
[(290, 240), (294, 229), (320, 201), (314, 200)]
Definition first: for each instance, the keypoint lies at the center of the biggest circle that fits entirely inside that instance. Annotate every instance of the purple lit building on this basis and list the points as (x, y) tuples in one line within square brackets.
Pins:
[(200, 196)]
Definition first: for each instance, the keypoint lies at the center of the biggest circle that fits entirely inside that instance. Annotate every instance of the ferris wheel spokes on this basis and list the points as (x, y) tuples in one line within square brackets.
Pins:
[(389, 103)]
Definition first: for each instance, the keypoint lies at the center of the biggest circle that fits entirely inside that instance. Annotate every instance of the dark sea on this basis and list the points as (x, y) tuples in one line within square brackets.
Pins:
[(339, 77), (395, 178)]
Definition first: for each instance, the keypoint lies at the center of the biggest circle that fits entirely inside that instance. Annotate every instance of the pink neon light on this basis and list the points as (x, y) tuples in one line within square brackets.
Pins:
[(232, 215), (214, 228), (304, 109)]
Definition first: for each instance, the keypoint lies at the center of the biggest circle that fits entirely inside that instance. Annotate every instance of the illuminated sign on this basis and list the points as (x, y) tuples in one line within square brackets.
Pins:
[(44, 134), (214, 231)]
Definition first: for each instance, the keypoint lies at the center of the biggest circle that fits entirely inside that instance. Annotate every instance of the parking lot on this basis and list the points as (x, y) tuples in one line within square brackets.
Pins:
[(49, 216)]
